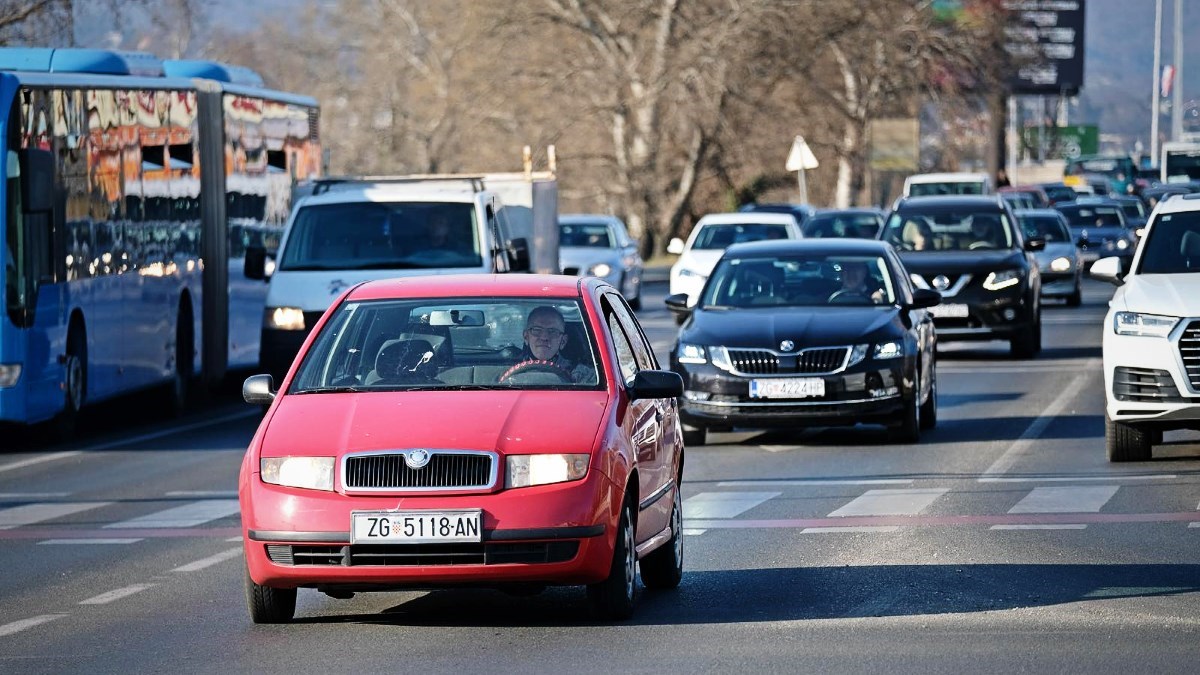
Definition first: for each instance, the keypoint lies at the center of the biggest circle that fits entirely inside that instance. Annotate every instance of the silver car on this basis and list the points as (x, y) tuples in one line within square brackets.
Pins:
[(1060, 263), (597, 245)]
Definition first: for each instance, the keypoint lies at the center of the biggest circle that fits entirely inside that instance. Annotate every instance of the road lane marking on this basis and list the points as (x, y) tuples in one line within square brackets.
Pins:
[(906, 502), (18, 626), (16, 496), (237, 538), (68, 532), (210, 560), (29, 514), (947, 520), (1190, 525), (1072, 499), (204, 493), (21, 464), (688, 532), (1062, 526), (723, 504), (187, 515), (860, 528), (1028, 440), (72, 542), (813, 481), (112, 596), (1078, 479)]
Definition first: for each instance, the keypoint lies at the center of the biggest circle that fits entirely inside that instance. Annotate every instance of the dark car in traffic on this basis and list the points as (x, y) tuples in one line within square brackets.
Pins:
[(844, 223), (801, 212), (810, 332), (1058, 192), (970, 249), (1098, 226)]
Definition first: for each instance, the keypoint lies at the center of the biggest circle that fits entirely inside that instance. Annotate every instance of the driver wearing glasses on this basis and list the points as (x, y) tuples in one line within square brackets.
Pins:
[(545, 335)]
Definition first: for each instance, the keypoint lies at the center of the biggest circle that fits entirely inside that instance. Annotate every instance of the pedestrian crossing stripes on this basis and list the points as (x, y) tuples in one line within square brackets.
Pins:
[(187, 515), (1073, 499), (907, 502), (28, 514), (723, 504)]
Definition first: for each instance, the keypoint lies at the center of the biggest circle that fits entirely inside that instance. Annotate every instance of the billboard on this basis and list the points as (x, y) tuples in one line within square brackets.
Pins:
[(1069, 142), (1044, 38)]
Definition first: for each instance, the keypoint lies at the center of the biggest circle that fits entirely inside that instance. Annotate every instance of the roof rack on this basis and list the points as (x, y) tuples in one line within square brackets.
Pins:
[(322, 185)]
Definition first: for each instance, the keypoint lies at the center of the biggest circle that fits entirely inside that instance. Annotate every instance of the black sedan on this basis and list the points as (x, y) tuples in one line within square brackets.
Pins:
[(811, 332)]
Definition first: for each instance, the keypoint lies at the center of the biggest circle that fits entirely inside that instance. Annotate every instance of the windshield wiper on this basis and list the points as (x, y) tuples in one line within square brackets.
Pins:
[(332, 390)]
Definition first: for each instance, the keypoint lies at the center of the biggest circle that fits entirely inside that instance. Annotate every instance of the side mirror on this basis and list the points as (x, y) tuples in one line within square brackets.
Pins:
[(259, 389), (256, 263), (1035, 244), (518, 254), (678, 303), (675, 247), (37, 180), (655, 384), (1110, 270), (925, 297)]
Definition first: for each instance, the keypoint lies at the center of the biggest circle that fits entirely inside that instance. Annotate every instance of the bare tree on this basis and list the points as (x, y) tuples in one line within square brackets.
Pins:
[(35, 22)]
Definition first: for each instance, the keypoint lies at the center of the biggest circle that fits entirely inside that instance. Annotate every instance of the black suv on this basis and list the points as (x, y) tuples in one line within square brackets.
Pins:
[(969, 249)]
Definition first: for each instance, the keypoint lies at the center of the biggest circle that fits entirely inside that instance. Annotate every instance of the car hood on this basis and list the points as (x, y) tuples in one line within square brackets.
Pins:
[(1166, 294), (514, 422), (954, 262), (585, 256), (702, 261), (806, 326)]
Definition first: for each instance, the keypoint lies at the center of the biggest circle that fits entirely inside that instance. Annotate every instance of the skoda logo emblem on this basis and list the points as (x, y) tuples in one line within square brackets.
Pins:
[(941, 282), (336, 286), (416, 459), (787, 346)]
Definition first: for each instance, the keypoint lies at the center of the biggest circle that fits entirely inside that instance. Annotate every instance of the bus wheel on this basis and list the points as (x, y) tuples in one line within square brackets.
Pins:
[(181, 382), (74, 385)]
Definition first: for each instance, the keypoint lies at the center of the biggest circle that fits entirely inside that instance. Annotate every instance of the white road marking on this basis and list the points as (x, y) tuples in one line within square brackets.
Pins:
[(1078, 479), (708, 505), (105, 598), (204, 493), (210, 560), (1028, 440), (1064, 526), (859, 528), (84, 540), (975, 370), (693, 533), (232, 539), (1066, 499), (21, 464), (908, 502), (1190, 525), (813, 481), (187, 515), (28, 514), (18, 626), (33, 495)]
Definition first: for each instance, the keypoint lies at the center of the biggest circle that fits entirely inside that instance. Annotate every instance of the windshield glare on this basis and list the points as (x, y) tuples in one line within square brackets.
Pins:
[(949, 230), (1045, 227), (800, 281), (451, 343), (1172, 245), (722, 236), (383, 235)]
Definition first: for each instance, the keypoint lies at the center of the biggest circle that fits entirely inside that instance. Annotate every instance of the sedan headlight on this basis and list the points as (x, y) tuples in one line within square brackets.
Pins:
[(857, 353), (599, 270), (527, 470), (630, 260), (1149, 325), (1122, 244), (689, 353), (888, 350), (1060, 264), (998, 281), (284, 318), (314, 473), (720, 358)]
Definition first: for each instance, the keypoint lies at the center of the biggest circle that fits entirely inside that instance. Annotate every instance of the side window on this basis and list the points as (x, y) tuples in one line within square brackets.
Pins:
[(625, 357), (641, 346)]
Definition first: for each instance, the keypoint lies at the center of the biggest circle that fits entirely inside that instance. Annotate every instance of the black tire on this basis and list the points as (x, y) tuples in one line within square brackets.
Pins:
[(613, 599), (662, 569), (696, 436), (1026, 342), (908, 428), (1125, 442), (269, 605), (1075, 299), (75, 385), (181, 381), (928, 412)]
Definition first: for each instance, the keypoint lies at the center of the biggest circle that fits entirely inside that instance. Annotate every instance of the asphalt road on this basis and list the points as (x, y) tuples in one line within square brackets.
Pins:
[(1003, 542)]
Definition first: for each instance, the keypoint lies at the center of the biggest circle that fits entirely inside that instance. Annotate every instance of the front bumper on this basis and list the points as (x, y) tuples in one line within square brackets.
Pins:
[(550, 534), (990, 315), (1145, 380)]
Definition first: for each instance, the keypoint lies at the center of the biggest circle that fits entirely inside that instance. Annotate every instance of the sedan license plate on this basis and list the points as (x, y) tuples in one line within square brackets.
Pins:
[(949, 311), (788, 387), (415, 527)]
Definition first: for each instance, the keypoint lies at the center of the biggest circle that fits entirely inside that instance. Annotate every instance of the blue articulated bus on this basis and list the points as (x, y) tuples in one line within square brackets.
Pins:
[(134, 188)]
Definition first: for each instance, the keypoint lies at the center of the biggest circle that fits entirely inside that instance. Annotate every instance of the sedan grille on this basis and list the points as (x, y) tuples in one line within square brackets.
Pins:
[(821, 359), (806, 361), (444, 471), (754, 361), (1189, 351)]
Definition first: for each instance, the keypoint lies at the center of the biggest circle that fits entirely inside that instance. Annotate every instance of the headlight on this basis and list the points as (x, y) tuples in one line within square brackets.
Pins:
[(1122, 244), (720, 358), (314, 473), (1139, 232), (1060, 264), (1150, 325), (685, 272), (857, 353), (283, 318), (599, 270), (888, 350), (997, 281), (918, 281), (526, 470), (689, 353)]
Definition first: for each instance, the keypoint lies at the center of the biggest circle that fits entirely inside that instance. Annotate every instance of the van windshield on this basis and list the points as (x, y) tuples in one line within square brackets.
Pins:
[(383, 235), (945, 188)]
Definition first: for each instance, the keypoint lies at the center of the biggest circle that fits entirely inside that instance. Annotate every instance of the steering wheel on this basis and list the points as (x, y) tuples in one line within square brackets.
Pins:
[(538, 366), (848, 296)]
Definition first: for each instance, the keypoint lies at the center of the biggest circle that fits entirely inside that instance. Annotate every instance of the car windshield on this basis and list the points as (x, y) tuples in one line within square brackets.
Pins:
[(722, 236), (587, 235), (860, 225), (1050, 228), (948, 229), (945, 188), (382, 235), (451, 343), (1093, 216), (1060, 193), (1172, 245), (800, 281), (1133, 209)]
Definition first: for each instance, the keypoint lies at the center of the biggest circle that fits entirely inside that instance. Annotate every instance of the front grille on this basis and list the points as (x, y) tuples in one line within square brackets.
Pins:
[(754, 361), (821, 359), (1189, 351), (1145, 385), (815, 360), (445, 471), (422, 555)]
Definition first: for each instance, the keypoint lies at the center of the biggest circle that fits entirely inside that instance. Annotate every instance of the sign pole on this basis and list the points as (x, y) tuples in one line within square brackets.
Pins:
[(803, 181)]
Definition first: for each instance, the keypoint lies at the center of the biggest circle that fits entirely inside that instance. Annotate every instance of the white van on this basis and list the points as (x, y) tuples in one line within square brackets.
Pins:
[(928, 184), (349, 231)]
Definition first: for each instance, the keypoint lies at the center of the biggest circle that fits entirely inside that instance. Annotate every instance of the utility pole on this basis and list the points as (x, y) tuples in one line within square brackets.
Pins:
[(1177, 91), (1155, 95)]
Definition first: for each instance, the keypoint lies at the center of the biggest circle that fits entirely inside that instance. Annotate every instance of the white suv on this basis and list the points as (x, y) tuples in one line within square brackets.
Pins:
[(1152, 333)]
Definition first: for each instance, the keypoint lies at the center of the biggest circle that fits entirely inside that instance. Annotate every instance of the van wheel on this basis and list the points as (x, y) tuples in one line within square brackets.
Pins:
[(1125, 442)]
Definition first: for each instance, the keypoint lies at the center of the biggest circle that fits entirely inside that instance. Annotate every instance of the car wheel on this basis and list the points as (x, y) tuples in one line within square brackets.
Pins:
[(1024, 345), (613, 598), (695, 436), (1075, 299), (663, 568), (269, 605), (928, 413), (908, 428), (1125, 442)]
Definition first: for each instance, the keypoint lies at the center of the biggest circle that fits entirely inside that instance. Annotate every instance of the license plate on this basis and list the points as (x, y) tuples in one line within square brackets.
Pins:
[(788, 387), (949, 311), (415, 527)]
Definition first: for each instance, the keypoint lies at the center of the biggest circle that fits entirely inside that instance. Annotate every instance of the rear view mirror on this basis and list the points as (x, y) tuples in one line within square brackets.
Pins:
[(675, 247), (678, 303), (1109, 269), (456, 317), (655, 384), (259, 389)]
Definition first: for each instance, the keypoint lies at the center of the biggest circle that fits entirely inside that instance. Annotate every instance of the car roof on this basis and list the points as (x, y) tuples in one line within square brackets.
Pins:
[(958, 176), (461, 286), (1180, 203), (856, 211), (1052, 213), (829, 245), (441, 191), (577, 218), (961, 201), (746, 218)]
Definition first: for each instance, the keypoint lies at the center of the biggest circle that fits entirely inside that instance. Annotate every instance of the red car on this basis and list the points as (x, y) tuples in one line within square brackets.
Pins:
[(508, 431)]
